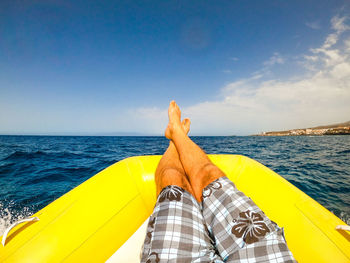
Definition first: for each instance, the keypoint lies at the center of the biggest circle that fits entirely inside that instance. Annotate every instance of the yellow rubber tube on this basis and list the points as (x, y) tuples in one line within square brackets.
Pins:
[(90, 223)]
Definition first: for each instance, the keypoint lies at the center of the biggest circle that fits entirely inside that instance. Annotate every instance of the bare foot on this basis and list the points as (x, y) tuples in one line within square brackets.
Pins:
[(186, 123), (174, 124)]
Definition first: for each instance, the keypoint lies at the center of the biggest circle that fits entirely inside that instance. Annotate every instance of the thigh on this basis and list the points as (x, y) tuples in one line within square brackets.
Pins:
[(176, 230), (239, 228), (272, 248)]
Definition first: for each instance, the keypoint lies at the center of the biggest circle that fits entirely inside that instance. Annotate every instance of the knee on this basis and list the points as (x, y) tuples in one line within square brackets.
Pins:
[(171, 176), (210, 171), (207, 169)]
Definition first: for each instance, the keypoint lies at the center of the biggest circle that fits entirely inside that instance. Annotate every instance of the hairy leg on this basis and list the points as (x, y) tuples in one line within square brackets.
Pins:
[(176, 230), (199, 169), (227, 212), (169, 170)]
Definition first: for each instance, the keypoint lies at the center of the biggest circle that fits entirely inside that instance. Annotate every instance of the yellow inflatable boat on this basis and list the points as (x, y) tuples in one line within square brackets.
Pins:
[(100, 220)]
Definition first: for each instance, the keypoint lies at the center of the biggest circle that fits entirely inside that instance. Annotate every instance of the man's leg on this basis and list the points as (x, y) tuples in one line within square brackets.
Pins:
[(176, 230), (241, 231), (169, 170), (199, 169)]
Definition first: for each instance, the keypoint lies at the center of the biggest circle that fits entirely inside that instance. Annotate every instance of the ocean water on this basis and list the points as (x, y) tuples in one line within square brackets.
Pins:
[(36, 170)]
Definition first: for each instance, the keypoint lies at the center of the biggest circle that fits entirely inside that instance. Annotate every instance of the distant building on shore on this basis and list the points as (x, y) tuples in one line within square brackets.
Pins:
[(335, 129)]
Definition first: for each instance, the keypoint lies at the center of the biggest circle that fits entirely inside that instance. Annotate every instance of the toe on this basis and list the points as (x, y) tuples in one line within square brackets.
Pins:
[(186, 125), (186, 122)]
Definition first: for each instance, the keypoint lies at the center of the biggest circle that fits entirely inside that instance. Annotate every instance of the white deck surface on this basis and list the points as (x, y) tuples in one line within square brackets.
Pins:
[(131, 250)]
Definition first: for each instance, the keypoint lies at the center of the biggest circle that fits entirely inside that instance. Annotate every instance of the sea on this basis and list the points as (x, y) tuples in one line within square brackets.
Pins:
[(36, 170)]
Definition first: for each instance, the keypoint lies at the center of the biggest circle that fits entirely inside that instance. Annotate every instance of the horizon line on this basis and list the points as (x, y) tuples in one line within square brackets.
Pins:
[(107, 135)]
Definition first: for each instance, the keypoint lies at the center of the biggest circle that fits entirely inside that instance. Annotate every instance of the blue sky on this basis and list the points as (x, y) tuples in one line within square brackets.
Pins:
[(235, 67)]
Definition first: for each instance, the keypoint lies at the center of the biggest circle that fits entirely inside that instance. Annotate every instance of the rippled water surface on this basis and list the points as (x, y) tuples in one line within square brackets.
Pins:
[(35, 170)]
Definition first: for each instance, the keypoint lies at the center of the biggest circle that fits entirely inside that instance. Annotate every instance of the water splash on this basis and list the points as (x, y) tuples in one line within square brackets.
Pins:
[(8, 216), (345, 217)]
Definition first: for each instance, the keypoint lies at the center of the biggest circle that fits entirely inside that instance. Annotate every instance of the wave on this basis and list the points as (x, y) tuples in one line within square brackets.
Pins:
[(345, 151), (24, 155), (60, 174), (345, 217)]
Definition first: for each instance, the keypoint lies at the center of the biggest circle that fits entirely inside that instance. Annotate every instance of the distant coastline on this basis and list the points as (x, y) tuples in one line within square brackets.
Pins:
[(334, 129)]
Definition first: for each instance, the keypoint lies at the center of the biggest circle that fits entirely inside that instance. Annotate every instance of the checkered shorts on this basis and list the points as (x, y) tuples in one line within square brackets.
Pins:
[(226, 227)]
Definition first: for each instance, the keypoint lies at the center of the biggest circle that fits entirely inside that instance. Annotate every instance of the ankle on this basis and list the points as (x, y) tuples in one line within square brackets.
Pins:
[(177, 129)]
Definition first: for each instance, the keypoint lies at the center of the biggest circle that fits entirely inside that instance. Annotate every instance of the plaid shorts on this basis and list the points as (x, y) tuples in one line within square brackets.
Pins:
[(226, 226)]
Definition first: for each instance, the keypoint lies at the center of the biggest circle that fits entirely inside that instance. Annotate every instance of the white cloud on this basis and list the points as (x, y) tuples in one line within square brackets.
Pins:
[(341, 71), (276, 58), (331, 40), (148, 120), (320, 95), (339, 24), (313, 25), (347, 44)]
